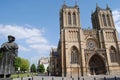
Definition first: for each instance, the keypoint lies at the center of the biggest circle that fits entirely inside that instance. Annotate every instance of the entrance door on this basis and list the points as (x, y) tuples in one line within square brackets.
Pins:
[(97, 65)]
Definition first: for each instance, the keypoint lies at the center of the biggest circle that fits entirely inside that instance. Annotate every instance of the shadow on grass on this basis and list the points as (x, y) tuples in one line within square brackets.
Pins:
[(23, 75)]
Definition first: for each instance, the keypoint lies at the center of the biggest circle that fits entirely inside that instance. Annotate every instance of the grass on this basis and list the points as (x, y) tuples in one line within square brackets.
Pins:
[(23, 75)]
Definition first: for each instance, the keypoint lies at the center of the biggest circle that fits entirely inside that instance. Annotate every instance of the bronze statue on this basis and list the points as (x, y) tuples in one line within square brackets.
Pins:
[(8, 52)]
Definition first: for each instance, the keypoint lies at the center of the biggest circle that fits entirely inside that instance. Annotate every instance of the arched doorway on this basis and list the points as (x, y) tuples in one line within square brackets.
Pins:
[(97, 65)]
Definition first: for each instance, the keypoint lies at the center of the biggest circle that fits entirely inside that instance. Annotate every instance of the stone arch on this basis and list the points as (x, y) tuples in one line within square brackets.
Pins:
[(104, 19), (74, 19), (113, 54), (108, 20), (74, 55), (69, 18), (97, 65)]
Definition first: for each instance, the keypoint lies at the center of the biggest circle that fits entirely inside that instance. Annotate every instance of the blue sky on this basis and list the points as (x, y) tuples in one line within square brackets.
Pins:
[(35, 23)]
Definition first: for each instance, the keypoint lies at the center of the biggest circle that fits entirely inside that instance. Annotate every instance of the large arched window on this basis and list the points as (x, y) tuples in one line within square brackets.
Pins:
[(74, 55), (104, 20), (69, 18), (74, 18), (113, 55), (108, 19)]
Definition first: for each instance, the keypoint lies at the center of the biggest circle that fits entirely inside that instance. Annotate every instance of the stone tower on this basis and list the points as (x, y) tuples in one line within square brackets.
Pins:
[(102, 21), (69, 39), (87, 51)]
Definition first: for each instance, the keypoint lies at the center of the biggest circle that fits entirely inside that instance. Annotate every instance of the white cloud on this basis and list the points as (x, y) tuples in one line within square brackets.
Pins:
[(22, 48), (36, 39), (31, 39), (116, 17), (31, 35), (42, 47)]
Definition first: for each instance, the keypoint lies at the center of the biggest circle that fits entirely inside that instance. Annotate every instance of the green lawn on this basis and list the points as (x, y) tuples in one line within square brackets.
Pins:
[(23, 75)]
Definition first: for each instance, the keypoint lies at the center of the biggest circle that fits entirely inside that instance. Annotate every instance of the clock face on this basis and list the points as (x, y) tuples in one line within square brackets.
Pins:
[(91, 44)]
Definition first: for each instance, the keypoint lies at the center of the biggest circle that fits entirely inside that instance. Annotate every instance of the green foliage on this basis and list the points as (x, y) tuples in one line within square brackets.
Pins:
[(48, 69), (24, 65), (21, 75), (33, 68), (41, 68), (17, 62)]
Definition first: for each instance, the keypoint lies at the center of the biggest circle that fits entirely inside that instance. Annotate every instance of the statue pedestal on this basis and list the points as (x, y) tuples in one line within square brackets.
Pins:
[(5, 78)]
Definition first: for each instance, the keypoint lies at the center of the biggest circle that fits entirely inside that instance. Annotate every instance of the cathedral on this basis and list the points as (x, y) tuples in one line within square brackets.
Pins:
[(83, 52)]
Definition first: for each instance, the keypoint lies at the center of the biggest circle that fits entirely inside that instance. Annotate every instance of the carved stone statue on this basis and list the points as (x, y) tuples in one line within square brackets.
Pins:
[(8, 52)]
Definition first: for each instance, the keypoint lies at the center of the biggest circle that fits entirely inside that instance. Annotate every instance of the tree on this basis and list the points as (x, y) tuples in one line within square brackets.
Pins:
[(41, 68), (17, 63), (48, 69), (24, 65), (33, 68)]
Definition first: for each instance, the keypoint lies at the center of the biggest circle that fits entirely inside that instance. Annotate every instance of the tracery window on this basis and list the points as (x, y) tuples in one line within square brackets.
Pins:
[(74, 55), (74, 18), (104, 20), (113, 54), (69, 18), (108, 19)]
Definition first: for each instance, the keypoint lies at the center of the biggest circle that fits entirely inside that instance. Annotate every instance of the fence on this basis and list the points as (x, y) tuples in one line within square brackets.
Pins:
[(102, 77)]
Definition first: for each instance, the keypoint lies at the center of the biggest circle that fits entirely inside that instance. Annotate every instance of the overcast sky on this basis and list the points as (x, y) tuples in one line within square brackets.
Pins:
[(35, 23)]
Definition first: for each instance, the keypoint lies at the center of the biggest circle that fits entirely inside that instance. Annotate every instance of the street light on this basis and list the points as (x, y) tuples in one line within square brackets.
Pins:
[(18, 71), (71, 69), (53, 60), (54, 67), (78, 71)]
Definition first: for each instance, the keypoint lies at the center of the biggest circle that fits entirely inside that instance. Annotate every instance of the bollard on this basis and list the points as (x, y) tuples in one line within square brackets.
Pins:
[(62, 78), (83, 78), (94, 78), (115, 78), (42, 78), (72, 78), (32, 77), (52, 78), (105, 78), (21, 78), (29, 78)]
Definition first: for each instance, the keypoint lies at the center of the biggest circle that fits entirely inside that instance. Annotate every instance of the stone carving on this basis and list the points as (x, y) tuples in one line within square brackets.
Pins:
[(8, 52)]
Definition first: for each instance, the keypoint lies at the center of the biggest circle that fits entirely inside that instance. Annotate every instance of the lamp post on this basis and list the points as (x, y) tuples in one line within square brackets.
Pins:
[(18, 71), (78, 70), (54, 65), (71, 69)]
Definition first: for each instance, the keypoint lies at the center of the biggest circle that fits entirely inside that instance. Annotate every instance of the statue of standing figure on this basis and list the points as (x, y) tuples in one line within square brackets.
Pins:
[(8, 52)]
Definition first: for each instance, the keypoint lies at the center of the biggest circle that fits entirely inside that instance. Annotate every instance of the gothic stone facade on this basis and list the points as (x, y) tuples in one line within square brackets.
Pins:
[(88, 52)]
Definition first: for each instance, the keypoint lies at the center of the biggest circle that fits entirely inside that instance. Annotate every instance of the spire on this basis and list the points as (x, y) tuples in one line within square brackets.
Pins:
[(76, 4), (107, 7), (97, 7), (64, 4), (92, 11)]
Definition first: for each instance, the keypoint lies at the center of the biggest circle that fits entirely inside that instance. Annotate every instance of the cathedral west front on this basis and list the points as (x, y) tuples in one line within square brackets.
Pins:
[(82, 52)]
